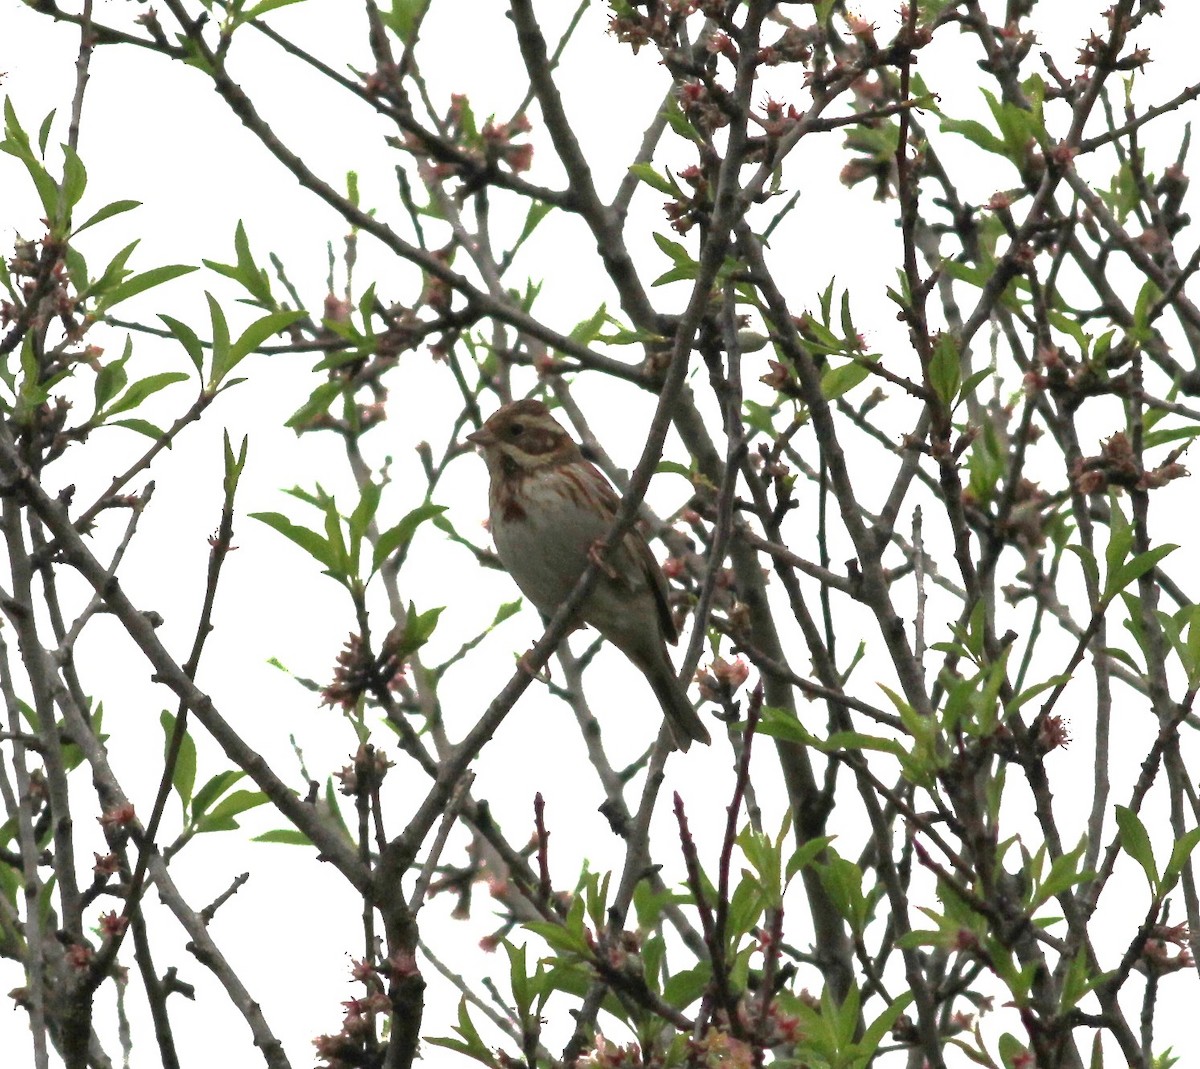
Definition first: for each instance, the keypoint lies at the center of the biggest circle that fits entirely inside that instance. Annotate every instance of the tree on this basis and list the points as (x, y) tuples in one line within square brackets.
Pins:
[(898, 567)]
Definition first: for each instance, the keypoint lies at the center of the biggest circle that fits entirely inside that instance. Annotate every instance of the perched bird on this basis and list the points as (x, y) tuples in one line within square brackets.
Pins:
[(549, 508)]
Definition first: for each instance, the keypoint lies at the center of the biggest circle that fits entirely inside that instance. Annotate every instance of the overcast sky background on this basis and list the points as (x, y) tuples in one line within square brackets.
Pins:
[(152, 131)]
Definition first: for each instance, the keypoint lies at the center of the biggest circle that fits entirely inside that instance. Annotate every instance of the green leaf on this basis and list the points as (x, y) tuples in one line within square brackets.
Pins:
[(1190, 648), (1136, 843), (873, 1036), (765, 857), (518, 970), (842, 880), (16, 143), (1018, 125), (418, 627), (249, 340), (1180, 853), (107, 212), (343, 565), (975, 132), (1162, 1061), (310, 541), (131, 287), (220, 336), (187, 338), (1154, 439), (744, 911), (976, 275), (32, 392), (1123, 194), (805, 855), (221, 816), (855, 740), (677, 274), (213, 789), (263, 6), (1077, 982), (317, 404), (44, 132), (1071, 326), (234, 466), (678, 254), (826, 302), (1063, 874), (482, 1055), (1088, 560), (679, 122), (558, 937), (111, 378), (1120, 536), (1012, 1053), (945, 368), (288, 836), (587, 331), (1030, 693), (849, 333), (845, 1016), (673, 467), (654, 180), (396, 539), (254, 278), (819, 337), (111, 275), (333, 809), (684, 988), (1133, 570), (836, 381), (506, 611), (759, 417), (141, 426), (77, 270), (184, 777), (246, 272), (972, 381), (1118, 654), (1148, 296), (74, 177), (784, 725), (143, 388), (538, 210), (594, 887), (364, 511), (404, 18), (471, 1044)]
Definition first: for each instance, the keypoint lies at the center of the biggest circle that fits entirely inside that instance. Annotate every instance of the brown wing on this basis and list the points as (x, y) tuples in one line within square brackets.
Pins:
[(658, 585), (639, 560)]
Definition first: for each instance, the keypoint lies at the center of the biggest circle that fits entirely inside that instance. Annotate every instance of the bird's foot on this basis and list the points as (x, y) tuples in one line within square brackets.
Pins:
[(523, 663), (596, 556)]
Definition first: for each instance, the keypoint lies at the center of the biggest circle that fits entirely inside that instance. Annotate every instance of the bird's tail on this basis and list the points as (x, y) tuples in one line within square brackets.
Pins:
[(682, 719)]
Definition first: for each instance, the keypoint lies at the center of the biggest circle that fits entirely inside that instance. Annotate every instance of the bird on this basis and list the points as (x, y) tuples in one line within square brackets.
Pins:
[(549, 510)]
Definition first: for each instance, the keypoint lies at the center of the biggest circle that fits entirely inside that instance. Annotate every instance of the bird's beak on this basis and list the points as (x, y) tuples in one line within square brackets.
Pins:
[(482, 437)]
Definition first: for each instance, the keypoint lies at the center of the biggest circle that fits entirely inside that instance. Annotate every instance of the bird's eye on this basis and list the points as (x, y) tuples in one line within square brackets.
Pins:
[(516, 429)]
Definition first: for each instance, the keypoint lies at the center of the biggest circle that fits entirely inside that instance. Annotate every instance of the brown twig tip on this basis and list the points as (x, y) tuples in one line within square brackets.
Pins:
[(681, 816), (735, 807), (691, 860), (545, 888), (755, 711)]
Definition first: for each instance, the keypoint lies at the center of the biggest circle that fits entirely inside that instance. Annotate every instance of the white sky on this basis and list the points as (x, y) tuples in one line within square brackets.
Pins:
[(155, 133)]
